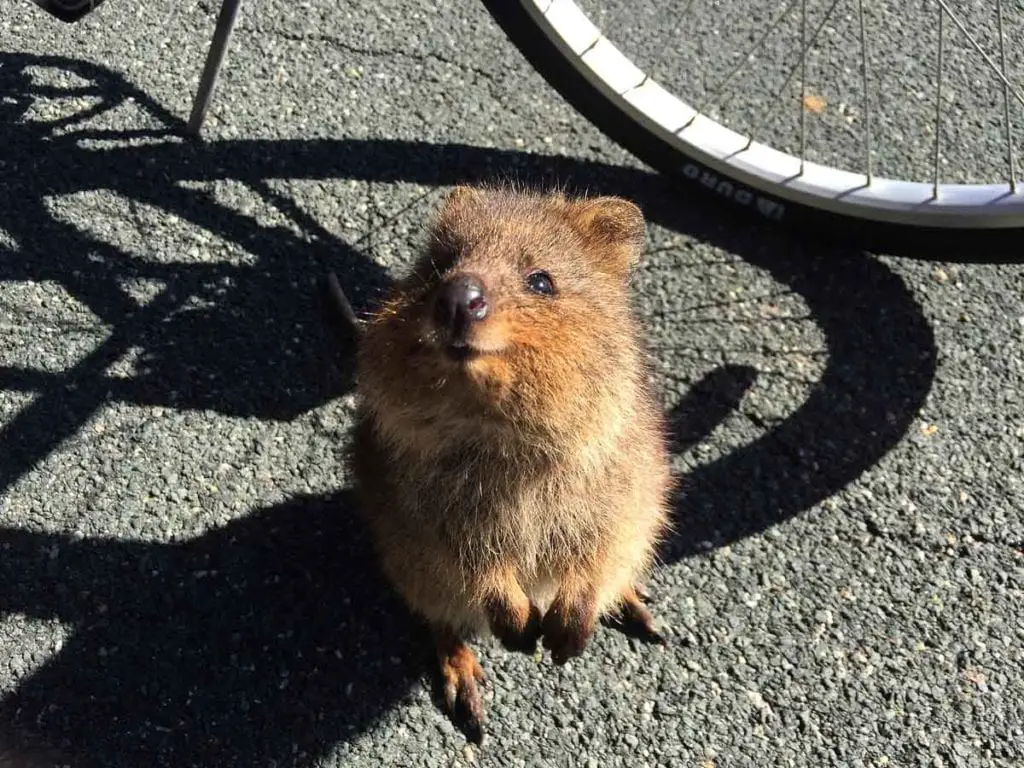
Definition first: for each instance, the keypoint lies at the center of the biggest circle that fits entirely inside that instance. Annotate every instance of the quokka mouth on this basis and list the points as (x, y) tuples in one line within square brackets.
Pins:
[(458, 350)]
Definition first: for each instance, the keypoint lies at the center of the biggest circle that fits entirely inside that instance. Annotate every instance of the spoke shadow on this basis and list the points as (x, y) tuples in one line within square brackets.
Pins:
[(274, 632)]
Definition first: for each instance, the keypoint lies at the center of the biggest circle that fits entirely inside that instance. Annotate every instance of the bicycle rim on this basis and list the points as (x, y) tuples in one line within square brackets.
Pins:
[(636, 111)]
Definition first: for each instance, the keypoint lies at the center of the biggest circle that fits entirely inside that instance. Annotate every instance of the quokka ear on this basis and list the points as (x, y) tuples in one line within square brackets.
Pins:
[(616, 226), (460, 196), (460, 199)]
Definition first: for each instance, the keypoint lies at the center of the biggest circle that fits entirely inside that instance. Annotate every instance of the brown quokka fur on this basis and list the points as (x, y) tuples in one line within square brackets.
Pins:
[(508, 454)]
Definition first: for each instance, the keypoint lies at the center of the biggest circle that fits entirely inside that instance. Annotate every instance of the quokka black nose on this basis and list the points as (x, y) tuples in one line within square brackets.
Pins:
[(460, 303)]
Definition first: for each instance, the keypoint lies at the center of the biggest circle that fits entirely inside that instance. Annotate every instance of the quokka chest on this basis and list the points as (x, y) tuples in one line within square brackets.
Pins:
[(490, 511)]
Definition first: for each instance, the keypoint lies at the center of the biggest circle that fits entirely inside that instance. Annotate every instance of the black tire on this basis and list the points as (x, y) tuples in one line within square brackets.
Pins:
[(544, 56)]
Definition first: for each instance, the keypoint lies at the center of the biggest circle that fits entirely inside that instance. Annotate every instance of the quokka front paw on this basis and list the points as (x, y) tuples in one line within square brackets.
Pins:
[(517, 626), (567, 627), (522, 640)]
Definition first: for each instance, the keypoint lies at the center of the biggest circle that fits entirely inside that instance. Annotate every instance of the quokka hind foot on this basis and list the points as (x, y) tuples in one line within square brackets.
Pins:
[(461, 675)]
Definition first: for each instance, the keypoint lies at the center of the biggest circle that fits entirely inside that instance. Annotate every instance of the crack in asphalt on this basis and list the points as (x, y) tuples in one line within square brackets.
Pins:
[(340, 44)]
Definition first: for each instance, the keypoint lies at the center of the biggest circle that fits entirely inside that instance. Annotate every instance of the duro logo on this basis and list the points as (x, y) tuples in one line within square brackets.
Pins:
[(767, 208)]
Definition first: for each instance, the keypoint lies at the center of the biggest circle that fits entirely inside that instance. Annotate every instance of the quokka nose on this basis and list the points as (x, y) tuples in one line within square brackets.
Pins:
[(460, 303)]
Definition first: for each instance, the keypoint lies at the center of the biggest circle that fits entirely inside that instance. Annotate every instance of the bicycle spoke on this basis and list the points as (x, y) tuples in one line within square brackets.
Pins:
[(981, 52), (938, 106), (807, 46), (867, 95), (803, 84), (754, 48), (803, 54), (1006, 98), (656, 64)]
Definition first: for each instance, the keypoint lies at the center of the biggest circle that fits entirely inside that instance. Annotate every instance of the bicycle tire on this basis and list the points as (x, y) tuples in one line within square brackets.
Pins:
[(601, 108)]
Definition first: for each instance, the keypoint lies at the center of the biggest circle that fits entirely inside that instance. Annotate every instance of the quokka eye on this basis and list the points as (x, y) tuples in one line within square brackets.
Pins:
[(539, 282)]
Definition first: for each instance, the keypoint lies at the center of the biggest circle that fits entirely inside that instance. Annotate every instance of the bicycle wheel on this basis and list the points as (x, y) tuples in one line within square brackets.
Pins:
[(634, 109)]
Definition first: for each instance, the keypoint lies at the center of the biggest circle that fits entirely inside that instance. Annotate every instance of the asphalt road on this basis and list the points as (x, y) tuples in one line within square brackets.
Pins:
[(182, 581)]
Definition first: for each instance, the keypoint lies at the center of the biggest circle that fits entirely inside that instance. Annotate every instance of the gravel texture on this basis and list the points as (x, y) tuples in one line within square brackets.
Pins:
[(182, 579)]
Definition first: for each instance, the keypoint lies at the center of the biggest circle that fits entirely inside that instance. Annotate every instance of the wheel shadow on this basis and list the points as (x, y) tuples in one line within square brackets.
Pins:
[(880, 364), (273, 638)]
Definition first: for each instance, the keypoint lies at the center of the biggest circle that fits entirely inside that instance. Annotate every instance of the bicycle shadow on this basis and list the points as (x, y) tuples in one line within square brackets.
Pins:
[(153, 671)]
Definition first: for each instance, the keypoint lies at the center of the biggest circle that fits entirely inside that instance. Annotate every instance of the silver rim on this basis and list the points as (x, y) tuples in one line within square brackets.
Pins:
[(739, 168)]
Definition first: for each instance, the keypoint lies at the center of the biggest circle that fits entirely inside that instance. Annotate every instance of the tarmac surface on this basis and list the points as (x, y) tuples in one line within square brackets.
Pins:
[(183, 581)]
